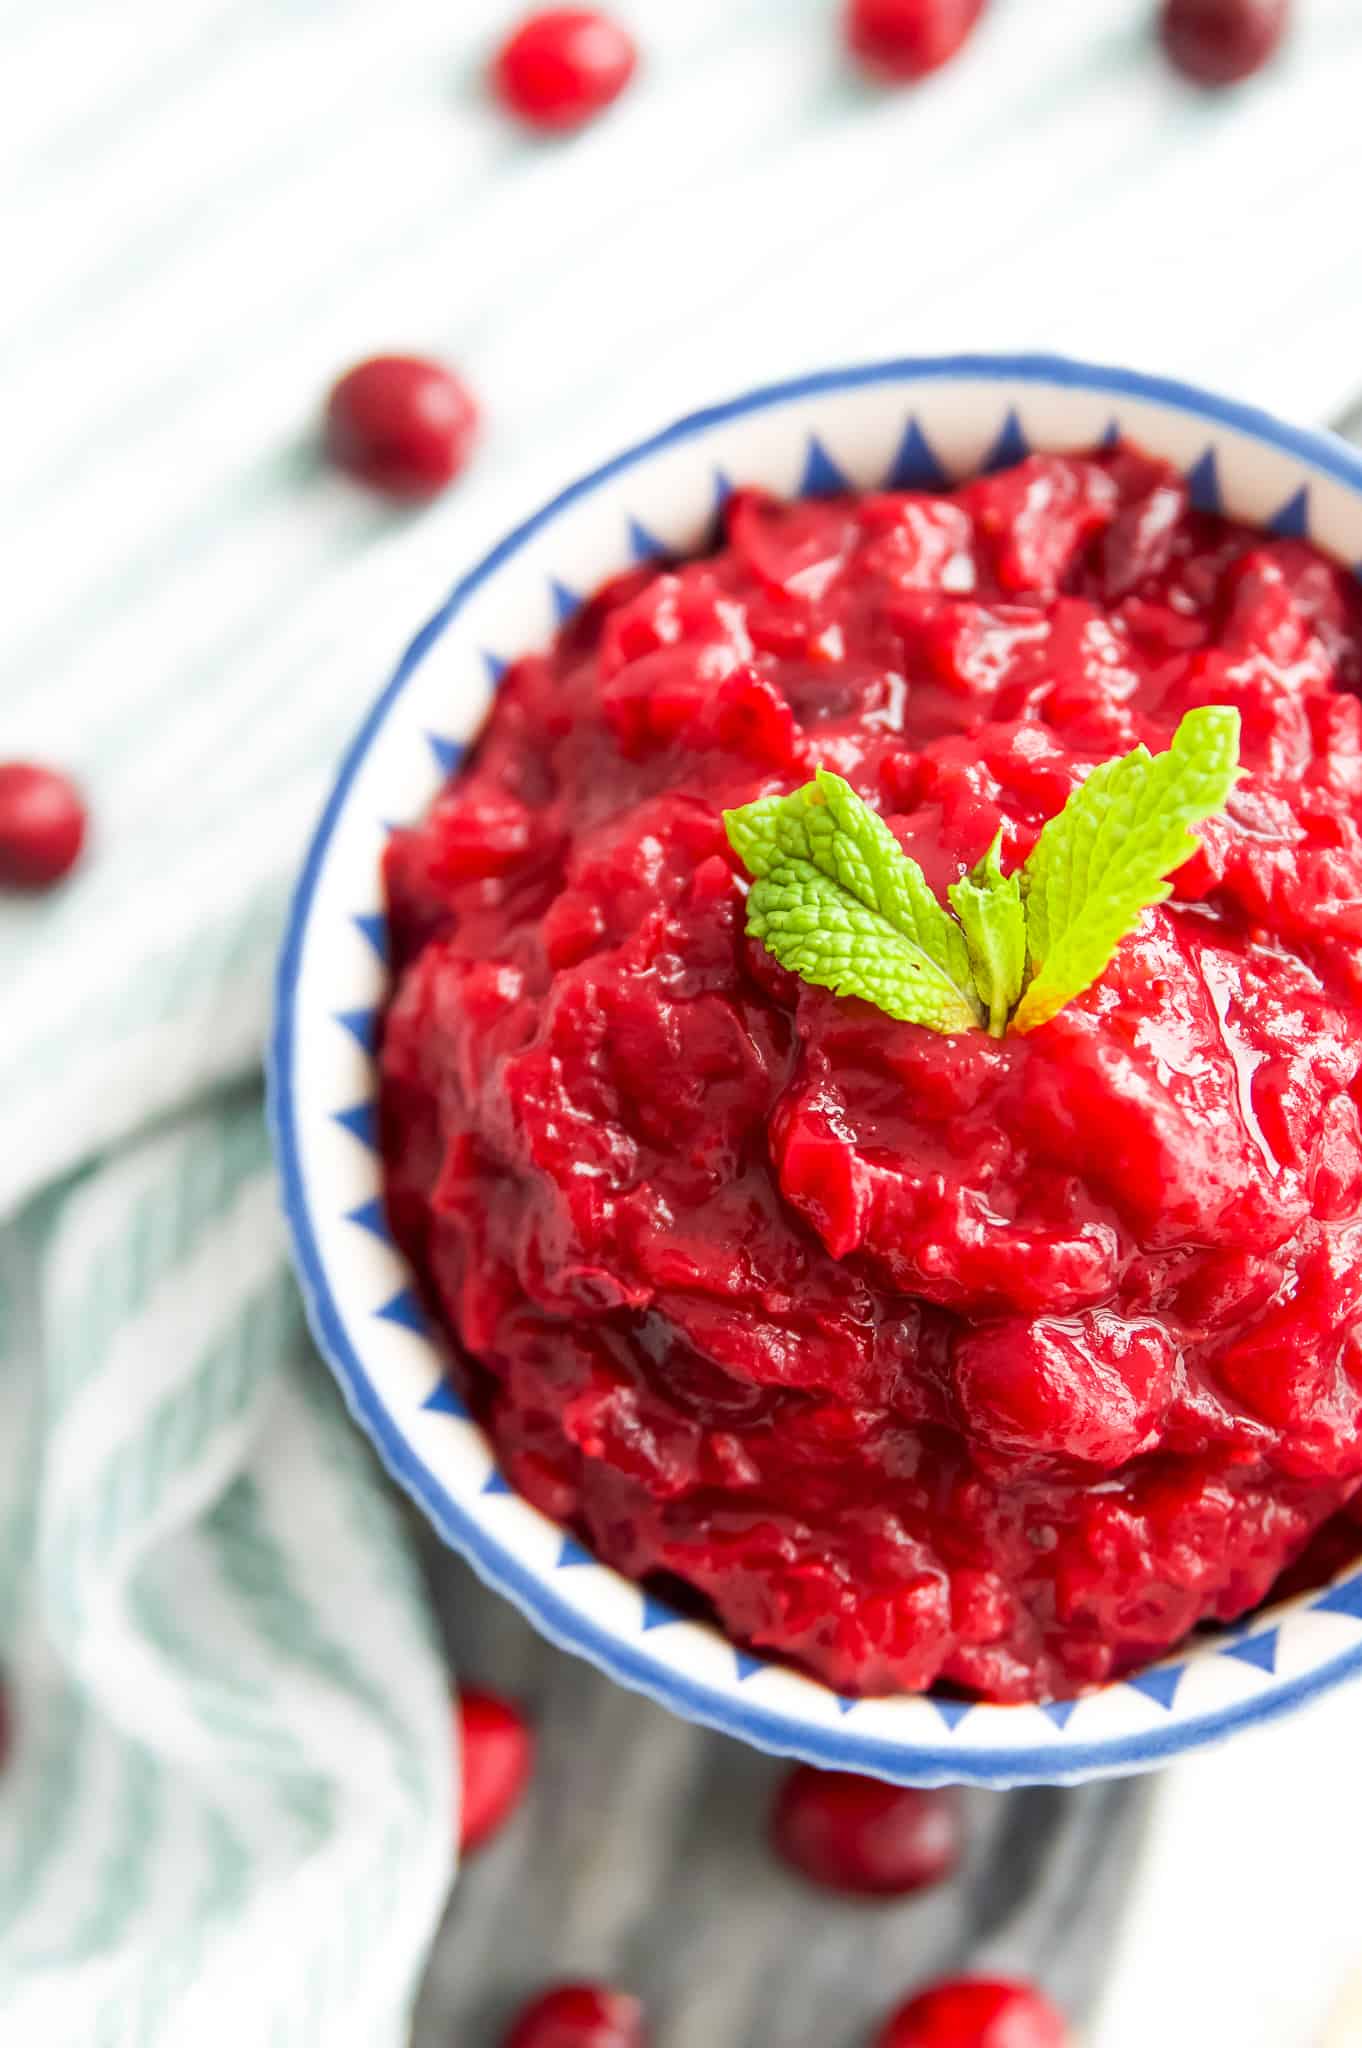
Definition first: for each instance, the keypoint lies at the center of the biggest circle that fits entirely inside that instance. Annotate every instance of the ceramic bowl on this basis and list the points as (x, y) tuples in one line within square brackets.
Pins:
[(907, 423)]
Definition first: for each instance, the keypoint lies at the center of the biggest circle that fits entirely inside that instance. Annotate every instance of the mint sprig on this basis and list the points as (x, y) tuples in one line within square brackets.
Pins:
[(836, 900), (989, 906)]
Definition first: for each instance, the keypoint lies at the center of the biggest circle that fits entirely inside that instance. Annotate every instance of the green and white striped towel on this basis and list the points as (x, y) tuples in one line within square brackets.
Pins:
[(226, 1811)]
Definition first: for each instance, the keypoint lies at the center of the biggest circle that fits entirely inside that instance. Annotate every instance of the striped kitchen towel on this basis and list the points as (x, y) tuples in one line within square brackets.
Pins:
[(226, 1813)]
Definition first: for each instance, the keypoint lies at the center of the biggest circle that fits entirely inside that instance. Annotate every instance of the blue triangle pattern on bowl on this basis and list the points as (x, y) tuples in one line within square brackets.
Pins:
[(657, 1614), (1010, 447), (844, 1705), (1344, 1599), (645, 546), (361, 1122), (448, 753), (916, 465), (374, 927), (747, 1665), (952, 1712), (406, 1312), (1061, 1712), (1113, 436), (822, 478), (1258, 1651), (496, 1483), (373, 1217), (1203, 483), (573, 1553), (445, 1400), (1160, 1685), (362, 1026), (566, 603), (494, 665), (1292, 520)]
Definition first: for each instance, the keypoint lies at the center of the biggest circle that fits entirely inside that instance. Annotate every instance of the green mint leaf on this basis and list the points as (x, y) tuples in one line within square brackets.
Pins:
[(824, 934), (1107, 857), (826, 823), (988, 904), (837, 901), (754, 831), (853, 844)]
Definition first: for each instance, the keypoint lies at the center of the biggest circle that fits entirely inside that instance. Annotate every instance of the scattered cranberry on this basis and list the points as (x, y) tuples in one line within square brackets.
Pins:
[(42, 825), (905, 39), (858, 1835), (401, 424), (562, 67), (497, 1747), (580, 2016), (976, 2012), (1218, 42)]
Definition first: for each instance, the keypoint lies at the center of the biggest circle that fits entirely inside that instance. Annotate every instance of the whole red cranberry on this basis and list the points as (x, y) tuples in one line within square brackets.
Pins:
[(401, 424), (975, 2012), (858, 1835), (1218, 42), (42, 825), (580, 2016), (496, 1745), (562, 67), (905, 39)]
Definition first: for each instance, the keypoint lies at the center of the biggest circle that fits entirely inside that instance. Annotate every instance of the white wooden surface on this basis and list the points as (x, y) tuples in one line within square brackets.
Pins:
[(207, 207), (1244, 1924)]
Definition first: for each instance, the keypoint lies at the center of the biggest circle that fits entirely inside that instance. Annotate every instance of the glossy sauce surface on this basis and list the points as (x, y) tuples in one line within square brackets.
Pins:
[(913, 1358)]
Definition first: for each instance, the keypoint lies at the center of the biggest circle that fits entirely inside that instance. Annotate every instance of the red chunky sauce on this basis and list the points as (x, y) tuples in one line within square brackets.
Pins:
[(913, 1358)]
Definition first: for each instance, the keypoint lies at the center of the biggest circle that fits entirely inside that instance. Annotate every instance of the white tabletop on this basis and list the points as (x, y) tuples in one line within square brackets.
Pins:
[(1244, 1924)]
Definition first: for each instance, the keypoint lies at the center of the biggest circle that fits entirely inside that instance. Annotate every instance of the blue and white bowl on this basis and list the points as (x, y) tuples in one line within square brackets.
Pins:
[(907, 423)]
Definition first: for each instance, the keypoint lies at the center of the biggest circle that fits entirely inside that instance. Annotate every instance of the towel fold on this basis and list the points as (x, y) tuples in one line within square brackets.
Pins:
[(226, 1811)]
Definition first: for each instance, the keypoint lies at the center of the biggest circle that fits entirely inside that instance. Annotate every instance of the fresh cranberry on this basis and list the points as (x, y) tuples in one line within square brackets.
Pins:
[(401, 424), (908, 38), (975, 2012), (580, 2016), (1218, 42), (497, 1747), (42, 825), (562, 67), (858, 1835)]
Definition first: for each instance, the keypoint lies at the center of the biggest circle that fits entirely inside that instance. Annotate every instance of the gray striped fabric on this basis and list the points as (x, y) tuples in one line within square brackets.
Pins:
[(229, 1795)]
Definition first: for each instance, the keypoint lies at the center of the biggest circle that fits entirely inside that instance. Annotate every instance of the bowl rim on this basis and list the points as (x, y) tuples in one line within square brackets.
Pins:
[(778, 1732)]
